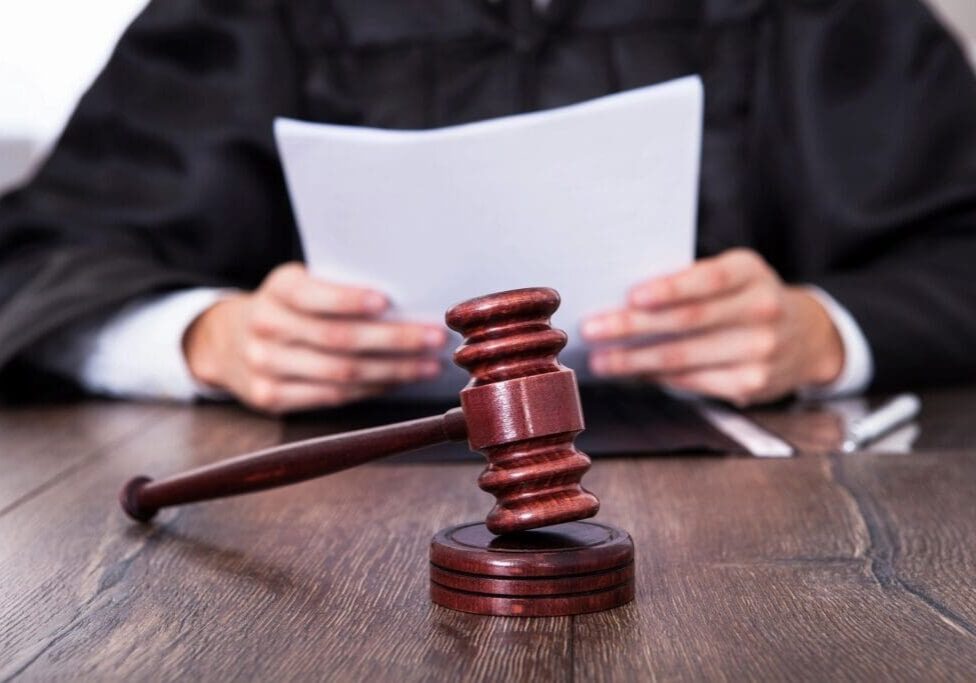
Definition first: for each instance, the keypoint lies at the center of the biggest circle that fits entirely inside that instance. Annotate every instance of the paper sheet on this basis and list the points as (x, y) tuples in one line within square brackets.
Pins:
[(589, 199)]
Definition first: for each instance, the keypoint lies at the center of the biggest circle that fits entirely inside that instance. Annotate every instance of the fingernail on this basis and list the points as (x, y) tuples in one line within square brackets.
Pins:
[(593, 327), (430, 368), (642, 297), (435, 337), (375, 302)]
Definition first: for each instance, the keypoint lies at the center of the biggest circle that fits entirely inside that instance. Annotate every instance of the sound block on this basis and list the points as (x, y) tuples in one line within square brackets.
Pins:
[(559, 570)]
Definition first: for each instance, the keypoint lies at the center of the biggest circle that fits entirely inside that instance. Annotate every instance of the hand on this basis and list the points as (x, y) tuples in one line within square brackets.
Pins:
[(726, 327), (299, 342)]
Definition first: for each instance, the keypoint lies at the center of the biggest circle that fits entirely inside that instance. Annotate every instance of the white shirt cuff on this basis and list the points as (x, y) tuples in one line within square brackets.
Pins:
[(858, 369), (137, 352)]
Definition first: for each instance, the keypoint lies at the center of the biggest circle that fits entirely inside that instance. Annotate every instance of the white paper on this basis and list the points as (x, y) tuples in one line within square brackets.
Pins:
[(758, 441), (588, 199)]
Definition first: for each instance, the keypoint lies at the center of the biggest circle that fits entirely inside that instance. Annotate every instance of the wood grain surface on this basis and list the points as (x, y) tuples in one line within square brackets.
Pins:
[(817, 567)]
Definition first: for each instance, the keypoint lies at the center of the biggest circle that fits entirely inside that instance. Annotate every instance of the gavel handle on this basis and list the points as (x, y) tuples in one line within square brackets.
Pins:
[(142, 497)]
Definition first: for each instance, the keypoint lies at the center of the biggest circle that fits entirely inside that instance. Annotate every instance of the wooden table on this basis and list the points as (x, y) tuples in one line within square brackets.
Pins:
[(817, 567)]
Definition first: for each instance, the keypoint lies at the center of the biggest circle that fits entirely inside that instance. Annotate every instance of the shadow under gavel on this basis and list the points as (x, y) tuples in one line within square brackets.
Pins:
[(521, 410)]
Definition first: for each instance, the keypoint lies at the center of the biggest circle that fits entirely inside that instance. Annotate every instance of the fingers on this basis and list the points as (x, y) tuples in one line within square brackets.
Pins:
[(275, 322), (730, 345), (706, 278), (296, 363), (276, 397), (281, 378), (724, 327), (749, 305), (295, 304), (299, 342), (292, 285)]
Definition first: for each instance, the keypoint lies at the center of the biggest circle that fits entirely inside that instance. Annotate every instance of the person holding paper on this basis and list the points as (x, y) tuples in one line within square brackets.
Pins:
[(298, 341), (739, 333), (154, 254)]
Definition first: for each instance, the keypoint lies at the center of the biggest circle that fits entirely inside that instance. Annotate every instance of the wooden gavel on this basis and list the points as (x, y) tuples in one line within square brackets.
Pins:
[(521, 409)]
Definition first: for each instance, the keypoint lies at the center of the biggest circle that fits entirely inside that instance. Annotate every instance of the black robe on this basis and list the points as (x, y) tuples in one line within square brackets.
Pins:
[(840, 142)]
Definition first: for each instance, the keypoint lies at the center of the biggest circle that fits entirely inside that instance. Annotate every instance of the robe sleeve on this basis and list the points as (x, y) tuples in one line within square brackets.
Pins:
[(873, 120), (165, 176)]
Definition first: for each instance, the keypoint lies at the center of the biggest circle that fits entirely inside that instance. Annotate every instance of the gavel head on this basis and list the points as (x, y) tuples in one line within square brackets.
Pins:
[(522, 410)]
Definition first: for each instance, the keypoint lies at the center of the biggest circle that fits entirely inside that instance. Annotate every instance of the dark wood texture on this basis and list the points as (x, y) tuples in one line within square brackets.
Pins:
[(521, 409), (813, 568), (560, 570), (33, 441)]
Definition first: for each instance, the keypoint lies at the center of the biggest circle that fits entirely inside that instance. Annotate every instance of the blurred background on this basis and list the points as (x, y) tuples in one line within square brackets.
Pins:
[(51, 49)]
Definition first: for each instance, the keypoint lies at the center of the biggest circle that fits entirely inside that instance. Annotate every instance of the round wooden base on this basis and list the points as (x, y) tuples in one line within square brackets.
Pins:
[(559, 570)]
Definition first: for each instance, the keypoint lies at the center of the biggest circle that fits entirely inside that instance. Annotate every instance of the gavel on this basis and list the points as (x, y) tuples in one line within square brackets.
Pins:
[(521, 410)]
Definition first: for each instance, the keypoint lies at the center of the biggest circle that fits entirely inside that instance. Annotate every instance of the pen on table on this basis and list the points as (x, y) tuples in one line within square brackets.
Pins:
[(876, 424)]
